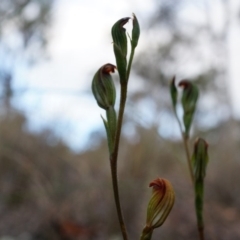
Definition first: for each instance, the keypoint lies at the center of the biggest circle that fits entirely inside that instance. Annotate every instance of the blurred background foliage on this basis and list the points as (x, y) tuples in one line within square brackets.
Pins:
[(47, 191)]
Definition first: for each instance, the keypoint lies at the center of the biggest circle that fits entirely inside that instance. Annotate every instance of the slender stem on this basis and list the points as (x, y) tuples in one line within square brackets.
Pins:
[(130, 62), (186, 147), (113, 160), (201, 233), (114, 154), (111, 127), (185, 142), (117, 200), (146, 233)]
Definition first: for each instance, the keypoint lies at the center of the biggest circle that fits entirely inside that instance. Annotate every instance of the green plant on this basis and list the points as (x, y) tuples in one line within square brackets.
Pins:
[(104, 91), (198, 162)]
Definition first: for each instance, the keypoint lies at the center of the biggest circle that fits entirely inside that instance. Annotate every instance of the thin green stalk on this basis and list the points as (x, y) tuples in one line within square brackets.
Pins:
[(114, 155), (117, 199), (146, 233), (111, 127), (113, 160), (130, 62), (186, 147), (185, 143)]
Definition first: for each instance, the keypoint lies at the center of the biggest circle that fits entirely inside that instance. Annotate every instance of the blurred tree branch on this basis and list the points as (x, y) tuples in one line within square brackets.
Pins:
[(23, 38)]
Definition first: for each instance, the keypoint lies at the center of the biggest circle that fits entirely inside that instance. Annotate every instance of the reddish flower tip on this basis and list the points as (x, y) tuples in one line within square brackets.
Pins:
[(123, 21), (160, 203), (158, 184), (108, 68), (184, 84)]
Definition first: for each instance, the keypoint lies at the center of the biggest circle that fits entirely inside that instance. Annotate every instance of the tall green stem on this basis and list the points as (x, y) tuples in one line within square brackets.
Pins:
[(186, 147), (185, 143), (199, 190), (114, 155), (130, 62), (113, 160)]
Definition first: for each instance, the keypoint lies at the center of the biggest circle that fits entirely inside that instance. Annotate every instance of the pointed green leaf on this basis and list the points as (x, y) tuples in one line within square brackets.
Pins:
[(189, 101), (174, 93), (135, 32)]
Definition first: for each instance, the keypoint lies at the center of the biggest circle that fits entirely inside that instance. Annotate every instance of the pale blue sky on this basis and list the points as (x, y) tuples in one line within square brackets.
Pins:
[(79, 43)]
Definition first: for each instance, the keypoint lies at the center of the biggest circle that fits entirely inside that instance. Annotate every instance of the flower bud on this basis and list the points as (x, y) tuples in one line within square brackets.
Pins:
[(135, 32), (103, 87), (159, 206), (200, 159), (161, 202), (119, 35), (120, 47), (189, 101)]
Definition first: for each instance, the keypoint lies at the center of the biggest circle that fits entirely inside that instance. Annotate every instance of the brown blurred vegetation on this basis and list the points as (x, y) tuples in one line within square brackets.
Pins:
[(49, 192)]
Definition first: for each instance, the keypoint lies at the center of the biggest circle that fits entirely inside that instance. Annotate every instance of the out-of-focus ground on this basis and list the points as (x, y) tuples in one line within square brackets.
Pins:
[(48, 192)]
